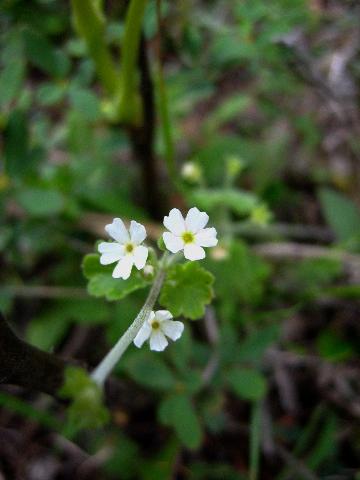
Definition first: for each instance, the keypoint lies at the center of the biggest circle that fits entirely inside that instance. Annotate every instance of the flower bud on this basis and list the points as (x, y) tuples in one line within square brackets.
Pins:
[(234, 165), (191, 172), (261, 215), (148, 271)]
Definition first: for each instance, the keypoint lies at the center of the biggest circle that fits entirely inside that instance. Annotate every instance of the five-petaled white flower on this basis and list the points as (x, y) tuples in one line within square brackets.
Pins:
[(126, 250), (156, 328), (189, 234)]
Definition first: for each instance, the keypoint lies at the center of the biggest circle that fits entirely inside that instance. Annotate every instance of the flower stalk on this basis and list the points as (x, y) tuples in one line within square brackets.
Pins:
[(103, 370)]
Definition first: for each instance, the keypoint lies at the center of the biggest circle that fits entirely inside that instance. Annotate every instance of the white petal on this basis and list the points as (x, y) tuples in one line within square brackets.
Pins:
[(142, 335), (151, 317), (158, 341), (140, 256), (196, 220), (108, 258), (109, 247), (175, 222), (118, 231), (172, 242), (137, 232), (206, 237), (123, 268), (193, 252), (172, 329), (111, 252), (162, 315)]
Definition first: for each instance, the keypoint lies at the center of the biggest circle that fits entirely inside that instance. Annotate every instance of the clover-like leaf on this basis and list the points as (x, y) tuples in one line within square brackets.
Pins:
[(102, 284), (187, 289)]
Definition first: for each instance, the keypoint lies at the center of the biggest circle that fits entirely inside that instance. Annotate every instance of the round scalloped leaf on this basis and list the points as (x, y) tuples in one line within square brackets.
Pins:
[(187, 290)]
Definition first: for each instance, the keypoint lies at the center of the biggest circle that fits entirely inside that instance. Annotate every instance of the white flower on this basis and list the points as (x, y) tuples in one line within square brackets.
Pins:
[(156, 328), (126, 250), (189, 234)]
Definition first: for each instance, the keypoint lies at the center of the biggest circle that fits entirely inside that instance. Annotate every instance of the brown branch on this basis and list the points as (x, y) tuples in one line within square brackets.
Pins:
[(142, 138), (26, 366)]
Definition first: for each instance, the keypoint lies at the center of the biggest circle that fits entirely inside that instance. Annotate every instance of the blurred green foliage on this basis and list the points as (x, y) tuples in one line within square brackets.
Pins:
[(236, 107)]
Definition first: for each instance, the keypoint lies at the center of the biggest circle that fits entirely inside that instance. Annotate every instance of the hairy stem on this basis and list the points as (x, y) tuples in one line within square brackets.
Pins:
[(103, 370)]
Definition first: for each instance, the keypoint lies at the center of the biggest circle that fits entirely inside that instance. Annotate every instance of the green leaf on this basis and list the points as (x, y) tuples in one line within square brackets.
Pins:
[(227, 110), (160, 465), (25, 409), (341, 214), (41, 202), (86, 102), (247, 383), (50, 93), (43, 55), (45, 334), (240, 202), (102, 284), (187, 290), (149, 370), (314, 273), (124, 458), (255, 344), (178, 412), (86, 409), (13, 66), (16, 144), (332, 347), (240, 275), (11, 79), (181, 352), (48, 329), (324, 447)]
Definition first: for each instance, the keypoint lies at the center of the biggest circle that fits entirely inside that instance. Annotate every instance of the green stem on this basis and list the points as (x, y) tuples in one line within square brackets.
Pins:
[(105, 367), (129, 109), (90, 25), (255, 440)]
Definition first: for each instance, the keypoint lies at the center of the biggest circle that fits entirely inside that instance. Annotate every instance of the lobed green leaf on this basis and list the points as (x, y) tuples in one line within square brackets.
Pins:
[(187, 290), (102, 284)]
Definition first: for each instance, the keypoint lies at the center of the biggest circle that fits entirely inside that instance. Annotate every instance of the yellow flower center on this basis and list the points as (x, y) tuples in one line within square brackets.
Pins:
[(155, 325), (129, 247), (188, 237)]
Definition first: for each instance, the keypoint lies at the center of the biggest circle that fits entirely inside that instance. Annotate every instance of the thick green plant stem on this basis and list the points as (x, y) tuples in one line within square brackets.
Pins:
[(105, 367), (164, 108), (129, 106), (90, 25)]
